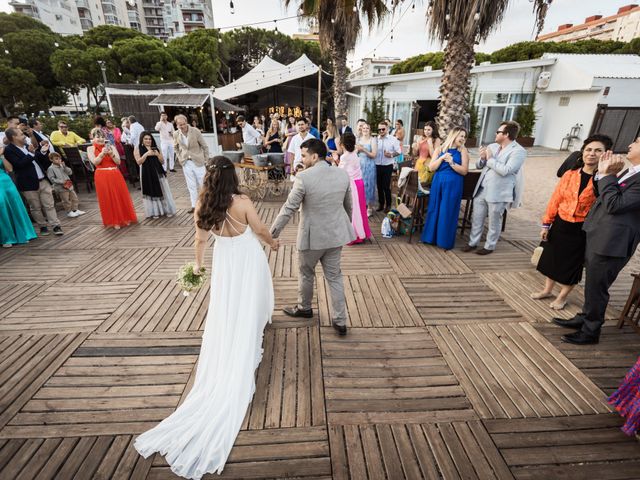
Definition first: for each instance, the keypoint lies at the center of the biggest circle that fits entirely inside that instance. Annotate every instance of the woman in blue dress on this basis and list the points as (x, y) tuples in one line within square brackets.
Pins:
[(451, 164), (15, 225), (367, 149)]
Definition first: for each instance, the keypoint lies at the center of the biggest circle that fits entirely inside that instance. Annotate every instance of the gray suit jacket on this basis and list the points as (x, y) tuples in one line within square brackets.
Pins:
[(613, 223), (324, 193), (500, 171), (196, 149)]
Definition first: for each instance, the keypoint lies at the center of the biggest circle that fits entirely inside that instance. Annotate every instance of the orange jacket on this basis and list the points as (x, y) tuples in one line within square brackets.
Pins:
[(565, 201)]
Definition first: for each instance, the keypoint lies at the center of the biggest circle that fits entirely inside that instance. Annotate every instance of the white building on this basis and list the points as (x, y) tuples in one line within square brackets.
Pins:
[(591, 92), (624, 26), (160, 18), (61, 15), (374, 67)]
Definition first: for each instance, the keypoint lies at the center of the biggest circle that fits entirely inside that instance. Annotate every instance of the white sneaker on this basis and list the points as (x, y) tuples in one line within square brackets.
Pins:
[(80, 212), (6, 245), (72, 214)]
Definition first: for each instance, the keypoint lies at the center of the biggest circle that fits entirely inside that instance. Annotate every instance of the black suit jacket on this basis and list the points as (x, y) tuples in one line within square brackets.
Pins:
[(23, 168), (613, 223), (346, 129)]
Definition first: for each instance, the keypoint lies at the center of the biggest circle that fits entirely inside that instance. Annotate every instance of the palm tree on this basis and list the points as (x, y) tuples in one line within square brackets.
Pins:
[(339, 26), (462, 24)]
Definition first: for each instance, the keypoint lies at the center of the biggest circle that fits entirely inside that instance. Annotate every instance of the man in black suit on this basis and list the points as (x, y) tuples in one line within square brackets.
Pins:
[(613, 233), (30, 165), (36, 131), (343, 126)]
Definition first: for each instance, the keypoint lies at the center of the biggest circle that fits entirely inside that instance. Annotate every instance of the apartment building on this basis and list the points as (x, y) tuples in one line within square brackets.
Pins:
[(624, 26)]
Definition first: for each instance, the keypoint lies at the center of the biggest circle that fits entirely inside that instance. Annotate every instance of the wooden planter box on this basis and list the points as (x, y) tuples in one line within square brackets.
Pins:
[(525, 141)]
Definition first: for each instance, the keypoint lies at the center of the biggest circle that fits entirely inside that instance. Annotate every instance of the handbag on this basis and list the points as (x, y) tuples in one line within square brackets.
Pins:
[(537, 253)]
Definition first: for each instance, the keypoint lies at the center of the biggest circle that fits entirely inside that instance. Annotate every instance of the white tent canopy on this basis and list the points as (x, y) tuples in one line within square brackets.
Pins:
[(267, 74)]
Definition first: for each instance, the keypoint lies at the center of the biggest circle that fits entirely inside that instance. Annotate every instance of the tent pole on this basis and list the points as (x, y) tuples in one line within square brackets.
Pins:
[(319, 117), (215, 123)]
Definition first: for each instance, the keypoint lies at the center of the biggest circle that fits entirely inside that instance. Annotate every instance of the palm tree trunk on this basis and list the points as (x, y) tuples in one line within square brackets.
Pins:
[(339, 58), (454, 88)]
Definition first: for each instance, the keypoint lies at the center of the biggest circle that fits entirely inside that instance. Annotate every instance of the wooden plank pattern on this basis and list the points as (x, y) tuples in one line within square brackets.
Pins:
[(412, 260), (511, 371), (457, 299), (388, 375)]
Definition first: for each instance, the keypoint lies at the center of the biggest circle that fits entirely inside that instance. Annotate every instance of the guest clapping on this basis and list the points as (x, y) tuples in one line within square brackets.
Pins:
[(424, 148), (562, 258), (450, 165)]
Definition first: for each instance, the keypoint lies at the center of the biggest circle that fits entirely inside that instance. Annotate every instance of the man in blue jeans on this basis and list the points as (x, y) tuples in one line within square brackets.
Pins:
[(388, 149)]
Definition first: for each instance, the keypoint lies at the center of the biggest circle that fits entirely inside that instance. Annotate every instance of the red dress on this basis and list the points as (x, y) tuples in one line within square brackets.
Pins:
[(114, 200)]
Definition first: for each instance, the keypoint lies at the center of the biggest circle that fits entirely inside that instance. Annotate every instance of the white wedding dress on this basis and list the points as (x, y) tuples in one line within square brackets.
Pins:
[(197, 437)]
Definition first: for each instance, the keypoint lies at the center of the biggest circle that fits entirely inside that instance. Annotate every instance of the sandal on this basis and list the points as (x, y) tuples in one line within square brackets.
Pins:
[(558, 305), (540, 295)]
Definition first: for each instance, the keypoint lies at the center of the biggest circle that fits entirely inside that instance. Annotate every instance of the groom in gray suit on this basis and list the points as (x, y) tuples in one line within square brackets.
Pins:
[(323, 195), (496, 188)]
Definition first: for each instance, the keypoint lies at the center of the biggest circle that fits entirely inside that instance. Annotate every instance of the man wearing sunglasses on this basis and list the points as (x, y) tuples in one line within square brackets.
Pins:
[(497, 186), (388, 149)]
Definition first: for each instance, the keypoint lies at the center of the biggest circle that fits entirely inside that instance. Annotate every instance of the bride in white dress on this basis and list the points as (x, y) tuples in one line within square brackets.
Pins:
[(197, 437)]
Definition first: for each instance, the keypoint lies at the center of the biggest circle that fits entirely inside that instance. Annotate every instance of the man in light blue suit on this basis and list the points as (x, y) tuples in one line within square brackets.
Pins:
[(497, 186)]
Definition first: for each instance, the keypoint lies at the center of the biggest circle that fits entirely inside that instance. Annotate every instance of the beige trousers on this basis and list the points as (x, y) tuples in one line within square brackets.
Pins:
[(42, 199)]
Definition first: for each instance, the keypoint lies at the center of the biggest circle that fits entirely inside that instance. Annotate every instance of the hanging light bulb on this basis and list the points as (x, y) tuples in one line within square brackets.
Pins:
[(231, 7), (56, 44), (333, 20), (355, 9), (68, 64), (119, 74), (447, 17), (413, 7), (276, 24), (1, 40), (110, 46), (391, 39)]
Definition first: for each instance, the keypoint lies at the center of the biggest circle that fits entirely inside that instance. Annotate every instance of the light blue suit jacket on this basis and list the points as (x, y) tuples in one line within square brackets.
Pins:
[(499, 173)]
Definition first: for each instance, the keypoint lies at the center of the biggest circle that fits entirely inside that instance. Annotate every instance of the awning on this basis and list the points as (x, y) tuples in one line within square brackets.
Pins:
[(267, 74), (226, 106), (180, 99)]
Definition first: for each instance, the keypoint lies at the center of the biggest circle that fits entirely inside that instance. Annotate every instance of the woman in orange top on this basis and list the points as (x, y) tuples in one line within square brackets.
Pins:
[(562, 259), (114, 200)]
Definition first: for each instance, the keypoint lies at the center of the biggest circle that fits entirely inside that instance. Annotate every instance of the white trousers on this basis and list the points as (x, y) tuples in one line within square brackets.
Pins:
[(482, 208), (194, 176), (169, 156)]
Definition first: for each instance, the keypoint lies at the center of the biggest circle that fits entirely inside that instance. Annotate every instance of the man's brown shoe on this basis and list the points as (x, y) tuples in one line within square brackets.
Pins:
[(468, 248), (484, 251)]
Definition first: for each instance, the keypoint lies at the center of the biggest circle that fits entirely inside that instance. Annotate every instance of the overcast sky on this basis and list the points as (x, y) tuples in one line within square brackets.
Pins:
[(409, 36)]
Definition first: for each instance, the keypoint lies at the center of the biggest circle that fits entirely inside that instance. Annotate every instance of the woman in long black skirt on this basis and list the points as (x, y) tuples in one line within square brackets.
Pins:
[(562, 258)]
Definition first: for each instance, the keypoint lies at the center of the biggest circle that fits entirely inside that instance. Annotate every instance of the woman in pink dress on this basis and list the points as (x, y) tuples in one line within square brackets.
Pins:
[(350, 161)]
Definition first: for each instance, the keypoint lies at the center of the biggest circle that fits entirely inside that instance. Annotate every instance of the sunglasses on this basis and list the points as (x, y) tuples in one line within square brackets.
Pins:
[(500, 131), (382, 129)]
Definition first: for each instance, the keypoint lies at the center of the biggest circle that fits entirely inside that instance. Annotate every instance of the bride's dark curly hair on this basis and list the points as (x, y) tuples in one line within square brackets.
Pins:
[(219, 185)]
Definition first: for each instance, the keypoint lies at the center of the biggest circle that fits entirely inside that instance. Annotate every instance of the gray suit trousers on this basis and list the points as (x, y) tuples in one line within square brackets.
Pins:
[(330, 260)]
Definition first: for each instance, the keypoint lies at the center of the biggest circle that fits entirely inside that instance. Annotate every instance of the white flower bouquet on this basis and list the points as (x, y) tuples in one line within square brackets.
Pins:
[(189, 279)]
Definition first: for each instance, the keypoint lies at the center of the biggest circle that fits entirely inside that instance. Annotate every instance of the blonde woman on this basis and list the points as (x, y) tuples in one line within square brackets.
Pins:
[(424, 148), (330, 138), (272, 139), (367, 150), (450, 165)]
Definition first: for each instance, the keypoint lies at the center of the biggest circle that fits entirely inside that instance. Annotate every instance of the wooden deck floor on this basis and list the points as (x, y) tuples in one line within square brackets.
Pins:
[(449, 369)]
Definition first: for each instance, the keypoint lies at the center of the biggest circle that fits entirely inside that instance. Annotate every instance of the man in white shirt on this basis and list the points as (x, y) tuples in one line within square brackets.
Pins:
[(388, 149), (250, 135), (165, 128), (135, 129), (302, 124)]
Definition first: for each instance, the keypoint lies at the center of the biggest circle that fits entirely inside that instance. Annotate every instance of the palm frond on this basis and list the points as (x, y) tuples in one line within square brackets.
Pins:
[(473, 20)]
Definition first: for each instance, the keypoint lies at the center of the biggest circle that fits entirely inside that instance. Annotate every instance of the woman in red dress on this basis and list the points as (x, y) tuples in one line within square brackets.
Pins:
[(114, 200)]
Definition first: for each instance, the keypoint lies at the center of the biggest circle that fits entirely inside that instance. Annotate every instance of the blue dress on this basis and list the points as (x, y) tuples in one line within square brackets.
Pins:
[(444, 205), (15, 225), (368, 168)]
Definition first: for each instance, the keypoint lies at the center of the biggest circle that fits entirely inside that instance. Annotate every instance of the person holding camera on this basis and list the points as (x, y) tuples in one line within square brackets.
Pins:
[(156, 193), (116, 207)]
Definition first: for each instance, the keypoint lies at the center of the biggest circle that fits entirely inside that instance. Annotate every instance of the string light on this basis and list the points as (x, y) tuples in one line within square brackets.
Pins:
[(413, 7), (231, 7), (391, 39), (276, 24), (355, 9)]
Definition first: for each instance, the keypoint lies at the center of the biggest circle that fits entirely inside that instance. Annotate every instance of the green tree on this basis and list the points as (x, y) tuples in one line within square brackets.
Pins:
[(198, 53), (374, 111), (17, 22), (460, 24), (147, 60), (20, 90), (105, 35), (340, 24)]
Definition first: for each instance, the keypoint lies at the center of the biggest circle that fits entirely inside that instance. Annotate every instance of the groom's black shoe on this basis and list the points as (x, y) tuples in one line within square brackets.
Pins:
[(580, 338), (341, 329), (575, 322), (298, 312)]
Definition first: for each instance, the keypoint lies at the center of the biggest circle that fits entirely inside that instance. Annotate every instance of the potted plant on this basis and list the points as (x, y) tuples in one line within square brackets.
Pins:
[(526, 117)]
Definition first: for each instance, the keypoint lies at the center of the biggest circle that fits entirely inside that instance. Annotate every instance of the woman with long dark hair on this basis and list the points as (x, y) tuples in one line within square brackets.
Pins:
[(156, 193), (425, 147), (197, 437)]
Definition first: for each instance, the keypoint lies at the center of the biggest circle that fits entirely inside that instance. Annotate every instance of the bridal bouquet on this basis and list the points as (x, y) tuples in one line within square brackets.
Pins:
[(189, 279)]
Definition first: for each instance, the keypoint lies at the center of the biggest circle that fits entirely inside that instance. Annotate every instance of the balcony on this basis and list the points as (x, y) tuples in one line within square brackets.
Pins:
[(86, 24), (82, 4)]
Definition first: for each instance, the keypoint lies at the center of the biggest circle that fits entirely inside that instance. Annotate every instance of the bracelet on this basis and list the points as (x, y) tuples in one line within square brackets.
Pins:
[(546, 226)]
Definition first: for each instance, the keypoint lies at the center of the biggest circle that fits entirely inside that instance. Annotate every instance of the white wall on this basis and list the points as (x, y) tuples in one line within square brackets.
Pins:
[(622, 92), (555, 121)]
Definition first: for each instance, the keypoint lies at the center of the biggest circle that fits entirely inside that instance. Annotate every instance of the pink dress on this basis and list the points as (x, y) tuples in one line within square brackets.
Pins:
[(350, 162)]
